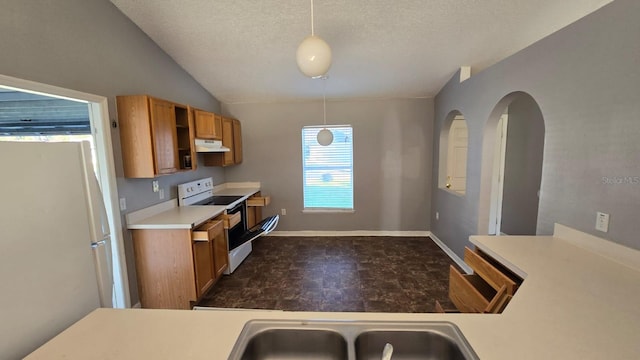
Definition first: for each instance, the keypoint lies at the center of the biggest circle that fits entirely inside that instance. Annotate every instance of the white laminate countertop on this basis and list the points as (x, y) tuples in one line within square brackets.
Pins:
[(169, 215), (573, 304), (182, 217)]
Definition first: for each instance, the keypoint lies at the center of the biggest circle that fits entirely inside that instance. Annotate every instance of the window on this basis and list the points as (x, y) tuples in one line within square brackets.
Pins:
[(327, 171)]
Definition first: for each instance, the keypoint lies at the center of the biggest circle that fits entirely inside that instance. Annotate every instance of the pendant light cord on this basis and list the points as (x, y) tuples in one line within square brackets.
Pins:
[(324, 100), (311, 17)]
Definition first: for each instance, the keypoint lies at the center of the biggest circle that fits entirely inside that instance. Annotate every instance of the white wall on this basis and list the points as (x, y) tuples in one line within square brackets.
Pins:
[(392, 160), (586, 81)]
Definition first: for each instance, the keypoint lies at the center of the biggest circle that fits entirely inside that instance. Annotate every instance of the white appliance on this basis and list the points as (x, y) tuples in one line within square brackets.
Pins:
[(205, 145), (55, 257), (200, 193)]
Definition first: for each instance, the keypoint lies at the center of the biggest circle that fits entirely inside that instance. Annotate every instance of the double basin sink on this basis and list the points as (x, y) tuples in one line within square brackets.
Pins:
[(349, 340)]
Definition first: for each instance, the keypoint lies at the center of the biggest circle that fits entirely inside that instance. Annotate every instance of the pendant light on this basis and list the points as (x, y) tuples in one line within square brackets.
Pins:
[(325, 136), (313, 55)]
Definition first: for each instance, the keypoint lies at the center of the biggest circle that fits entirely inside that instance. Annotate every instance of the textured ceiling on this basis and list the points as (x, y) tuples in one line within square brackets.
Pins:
[(244, 50)]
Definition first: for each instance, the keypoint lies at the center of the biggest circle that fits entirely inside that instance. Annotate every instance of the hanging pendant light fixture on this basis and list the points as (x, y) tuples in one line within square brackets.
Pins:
[(313, 55), (325, 136)]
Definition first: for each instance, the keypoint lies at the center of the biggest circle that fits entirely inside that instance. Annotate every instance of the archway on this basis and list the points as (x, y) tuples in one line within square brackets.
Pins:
[(512, 166)]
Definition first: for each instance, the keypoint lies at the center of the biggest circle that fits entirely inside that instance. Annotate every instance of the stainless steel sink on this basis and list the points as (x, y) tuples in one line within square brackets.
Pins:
[(352, 340), (296, 344), (407, 345)]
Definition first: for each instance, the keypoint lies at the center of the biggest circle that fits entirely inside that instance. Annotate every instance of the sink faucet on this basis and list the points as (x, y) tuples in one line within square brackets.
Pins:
[(387, 351)]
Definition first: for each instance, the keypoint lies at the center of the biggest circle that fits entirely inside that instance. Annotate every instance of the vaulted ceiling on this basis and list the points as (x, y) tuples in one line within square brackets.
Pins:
[(244, 50)]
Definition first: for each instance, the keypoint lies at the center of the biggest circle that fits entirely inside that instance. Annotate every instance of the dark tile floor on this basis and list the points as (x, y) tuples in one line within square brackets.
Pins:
[(373, 274)]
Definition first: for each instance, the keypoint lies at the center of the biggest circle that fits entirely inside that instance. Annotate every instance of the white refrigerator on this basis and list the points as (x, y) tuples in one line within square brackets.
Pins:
[(55, 257)]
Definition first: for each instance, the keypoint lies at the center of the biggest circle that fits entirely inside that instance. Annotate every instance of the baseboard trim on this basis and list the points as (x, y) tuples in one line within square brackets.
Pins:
[(350, 233), (451, 254), (137, 305)]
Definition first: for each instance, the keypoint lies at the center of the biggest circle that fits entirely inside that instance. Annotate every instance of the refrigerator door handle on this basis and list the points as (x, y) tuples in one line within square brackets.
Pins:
[(104, 271)]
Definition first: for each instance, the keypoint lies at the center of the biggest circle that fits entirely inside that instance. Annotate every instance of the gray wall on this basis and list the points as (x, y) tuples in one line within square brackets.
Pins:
[(89, 46), (523, 167), (392, 161), (586, 81)]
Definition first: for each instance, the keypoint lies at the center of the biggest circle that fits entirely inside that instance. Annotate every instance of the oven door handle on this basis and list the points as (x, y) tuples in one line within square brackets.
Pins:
[(270, 224)]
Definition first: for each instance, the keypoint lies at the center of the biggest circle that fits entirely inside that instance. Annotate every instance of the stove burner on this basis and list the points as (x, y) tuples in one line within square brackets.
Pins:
[(220, 200)]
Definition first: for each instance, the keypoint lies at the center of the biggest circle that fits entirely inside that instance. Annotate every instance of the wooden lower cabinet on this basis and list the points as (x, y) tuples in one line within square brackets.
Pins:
[(176, 267), (487, 290), (255, 203), (165, 268)]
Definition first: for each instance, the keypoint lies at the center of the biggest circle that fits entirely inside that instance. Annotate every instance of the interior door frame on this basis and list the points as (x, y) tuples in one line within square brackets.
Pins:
[(101, 130), (498, 175)]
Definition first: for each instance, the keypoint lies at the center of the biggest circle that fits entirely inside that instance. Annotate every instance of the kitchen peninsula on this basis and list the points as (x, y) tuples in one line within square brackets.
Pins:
[(575, 303)]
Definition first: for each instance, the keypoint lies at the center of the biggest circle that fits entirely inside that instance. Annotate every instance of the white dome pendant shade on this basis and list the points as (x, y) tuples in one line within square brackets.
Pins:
[(313, 55), (325, 137)]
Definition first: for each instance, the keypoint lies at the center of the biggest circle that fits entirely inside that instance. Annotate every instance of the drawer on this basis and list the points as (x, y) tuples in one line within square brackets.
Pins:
[(470, 293), (230, 220), (494, 277), (207, 231), (259, 201)]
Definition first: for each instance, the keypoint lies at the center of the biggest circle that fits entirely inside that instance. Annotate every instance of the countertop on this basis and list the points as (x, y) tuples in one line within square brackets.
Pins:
[(169, 215), (573, 304)]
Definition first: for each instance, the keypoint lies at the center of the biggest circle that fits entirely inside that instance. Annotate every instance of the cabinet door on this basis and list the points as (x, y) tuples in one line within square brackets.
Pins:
[(203, 263), (207, 126), (135, 136), (220, 253), (217, 125), (163, 134), (227, 140), (237, 142)]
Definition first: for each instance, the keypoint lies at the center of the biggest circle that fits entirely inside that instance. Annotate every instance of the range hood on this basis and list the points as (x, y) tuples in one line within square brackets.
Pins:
[(207, 146)]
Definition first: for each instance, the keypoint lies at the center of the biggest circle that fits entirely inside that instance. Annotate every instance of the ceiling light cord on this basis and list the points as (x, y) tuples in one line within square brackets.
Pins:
[(324, 99), (312, 18)]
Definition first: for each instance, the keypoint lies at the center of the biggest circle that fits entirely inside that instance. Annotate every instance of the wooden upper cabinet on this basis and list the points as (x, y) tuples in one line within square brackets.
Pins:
[(164, 136), (156, 136), (227, 140), (232, 139), (208, 125), (237, 142)]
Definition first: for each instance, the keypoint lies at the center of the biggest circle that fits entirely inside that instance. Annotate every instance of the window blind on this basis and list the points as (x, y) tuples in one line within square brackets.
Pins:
[(327, 171)]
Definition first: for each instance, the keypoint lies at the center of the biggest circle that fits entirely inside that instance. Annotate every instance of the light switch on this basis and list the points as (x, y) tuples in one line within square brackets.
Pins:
[(602, 222)]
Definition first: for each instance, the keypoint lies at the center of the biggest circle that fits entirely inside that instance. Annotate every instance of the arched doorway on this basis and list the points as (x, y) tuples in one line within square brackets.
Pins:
[(513, 153)]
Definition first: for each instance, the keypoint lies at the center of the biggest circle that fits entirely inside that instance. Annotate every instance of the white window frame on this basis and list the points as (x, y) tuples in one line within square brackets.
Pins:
[(327, 209)]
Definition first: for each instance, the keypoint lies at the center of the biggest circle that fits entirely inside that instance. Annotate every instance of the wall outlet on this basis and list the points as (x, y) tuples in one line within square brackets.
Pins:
[(602, 222), (161, 194), (155, 185), (283, 212), (123, 204), (437, 215)]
